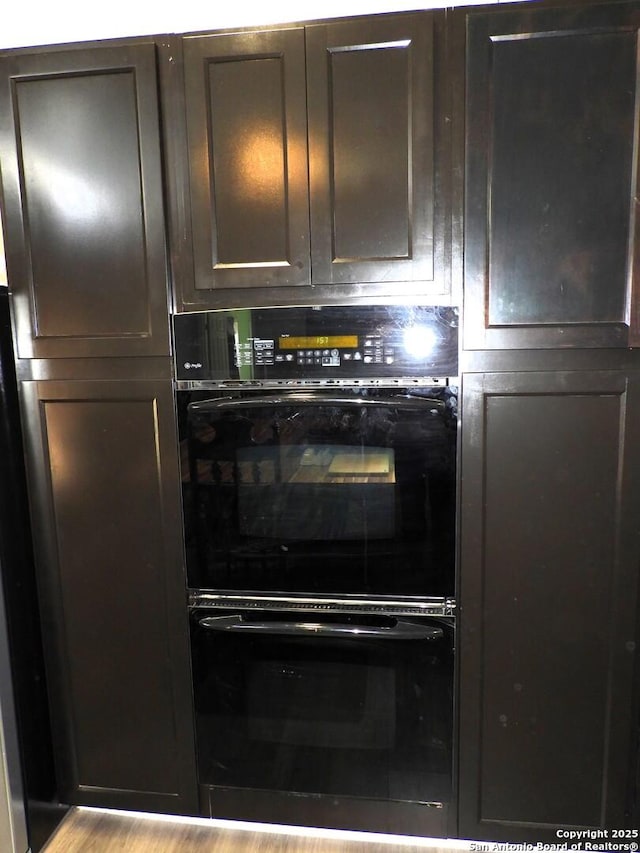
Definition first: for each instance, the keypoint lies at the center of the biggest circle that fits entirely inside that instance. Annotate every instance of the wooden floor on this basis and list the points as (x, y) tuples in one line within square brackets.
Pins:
[(95, 831)]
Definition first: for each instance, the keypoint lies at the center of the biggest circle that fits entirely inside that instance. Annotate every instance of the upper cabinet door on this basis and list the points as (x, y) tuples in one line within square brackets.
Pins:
[(247, 144), (376, 212), (83, 201), (551, 246)]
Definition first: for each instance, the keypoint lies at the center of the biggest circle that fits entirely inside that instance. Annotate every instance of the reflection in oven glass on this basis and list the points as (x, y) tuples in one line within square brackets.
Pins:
[(321, 498), (345, 717)]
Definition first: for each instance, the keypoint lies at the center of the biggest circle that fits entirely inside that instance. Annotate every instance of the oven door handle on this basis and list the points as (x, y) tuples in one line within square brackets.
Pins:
[(402, 630), (295, 398)]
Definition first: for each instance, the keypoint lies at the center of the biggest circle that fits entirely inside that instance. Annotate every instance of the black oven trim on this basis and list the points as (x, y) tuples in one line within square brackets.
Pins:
[(424, 606), (333, 382), (422, 819)]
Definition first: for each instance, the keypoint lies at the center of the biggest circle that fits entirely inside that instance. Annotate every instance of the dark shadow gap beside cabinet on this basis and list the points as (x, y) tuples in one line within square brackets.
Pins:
[(22, 618)]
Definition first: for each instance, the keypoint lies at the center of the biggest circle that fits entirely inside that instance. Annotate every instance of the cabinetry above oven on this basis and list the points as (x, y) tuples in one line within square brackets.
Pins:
[(314, 166)]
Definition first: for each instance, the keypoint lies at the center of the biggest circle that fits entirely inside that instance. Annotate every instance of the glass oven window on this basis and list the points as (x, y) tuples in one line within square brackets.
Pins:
[(339, 715), (316, 492)]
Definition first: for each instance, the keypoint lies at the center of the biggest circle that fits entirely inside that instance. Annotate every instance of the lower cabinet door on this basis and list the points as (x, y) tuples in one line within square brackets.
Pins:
[(104, 486), (549, 559)]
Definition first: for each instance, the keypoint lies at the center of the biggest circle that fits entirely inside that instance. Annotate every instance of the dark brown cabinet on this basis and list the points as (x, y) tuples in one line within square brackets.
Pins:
[(551, 246), (319, 164), (83, 201), (376, 133), (103, 469), (549, 492), (548, 602), (246, 125), (317, 192), (84, 225)]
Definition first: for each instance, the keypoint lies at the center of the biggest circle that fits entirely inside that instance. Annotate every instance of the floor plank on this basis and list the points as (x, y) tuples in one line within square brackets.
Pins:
[(96, 831)]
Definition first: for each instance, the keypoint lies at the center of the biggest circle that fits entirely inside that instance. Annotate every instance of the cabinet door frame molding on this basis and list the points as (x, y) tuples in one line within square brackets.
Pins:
[(243, 55), (507, 615), (497, 34), (94, 258), (87, 610)]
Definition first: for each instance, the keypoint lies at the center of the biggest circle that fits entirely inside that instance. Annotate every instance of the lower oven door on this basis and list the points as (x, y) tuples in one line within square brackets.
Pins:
[(346, 706)]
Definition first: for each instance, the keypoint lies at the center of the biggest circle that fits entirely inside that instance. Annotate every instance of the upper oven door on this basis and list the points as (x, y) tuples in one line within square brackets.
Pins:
[(318, 493)]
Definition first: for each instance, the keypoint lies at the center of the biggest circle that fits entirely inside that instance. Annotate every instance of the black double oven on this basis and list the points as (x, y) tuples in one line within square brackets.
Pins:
[(318, 454)]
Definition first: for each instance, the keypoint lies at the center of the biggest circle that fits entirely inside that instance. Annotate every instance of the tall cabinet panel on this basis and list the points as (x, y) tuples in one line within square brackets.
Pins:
[(374, 139), (83, 210), (83, 201), (247, 143), (103, 469), (552, 119), (549, 544)]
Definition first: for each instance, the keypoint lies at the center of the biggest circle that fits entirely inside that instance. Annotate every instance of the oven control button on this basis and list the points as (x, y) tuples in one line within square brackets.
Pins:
[(368, 359), (357, 356)]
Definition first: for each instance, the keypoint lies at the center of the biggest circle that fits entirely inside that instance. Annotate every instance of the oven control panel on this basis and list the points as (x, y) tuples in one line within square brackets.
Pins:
[(319, 351), (333, 343)]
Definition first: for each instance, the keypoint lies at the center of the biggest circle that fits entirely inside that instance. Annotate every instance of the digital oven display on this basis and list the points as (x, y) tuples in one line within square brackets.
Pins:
[(317, 341)]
